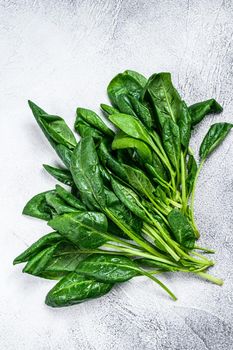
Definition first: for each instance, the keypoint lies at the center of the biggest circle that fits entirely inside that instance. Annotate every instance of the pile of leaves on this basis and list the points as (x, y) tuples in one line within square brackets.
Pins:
[(128, 210)]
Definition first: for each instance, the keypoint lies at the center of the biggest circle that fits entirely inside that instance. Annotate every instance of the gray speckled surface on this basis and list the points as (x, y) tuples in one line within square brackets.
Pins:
[(62, 54)]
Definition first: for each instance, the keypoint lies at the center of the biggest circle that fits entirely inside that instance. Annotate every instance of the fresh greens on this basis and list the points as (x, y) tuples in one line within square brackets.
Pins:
[(128, 210)]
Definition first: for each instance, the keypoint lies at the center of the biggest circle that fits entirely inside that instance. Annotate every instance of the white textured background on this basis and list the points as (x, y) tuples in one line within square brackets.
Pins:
[(62, 54)]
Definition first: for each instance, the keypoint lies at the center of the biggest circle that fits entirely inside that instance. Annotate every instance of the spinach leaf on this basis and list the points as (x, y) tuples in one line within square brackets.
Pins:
[(86, 229), (58, 204), (136, 76), (123, 84), (38, 263), (137, 179), (64, 153), (181, 228), (93, 120), (199, 110), (124, 216), (142, 112), (69, 198), (122, 141), (108, 109), (86, 174), (184, 124), (108, 161), (192, 170), (38, 207), (62, 175), (124, 105), (108, 268), (213, 138), (74, 289), (129, 198), (164, 97), (131, 126), (44, 242), (171, 141)]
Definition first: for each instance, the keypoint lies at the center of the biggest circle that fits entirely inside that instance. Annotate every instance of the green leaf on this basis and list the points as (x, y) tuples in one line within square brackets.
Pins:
[(199, 110), (141, 111), (124, 105), (131, 126), (44, 242), (136, 76), (192, 170), (164, 97), (62, 175), (171, 141), (129, 198), (38, 207), (54, 132), (86, 174), (122, 214), (122, 141), (58, 130), (108, 109), (123, 84), (86, 229), (74, 289), (58, 204), (37, 263), (109, 161), (69, 198), (65, 259), (64, 153), (108, 268), (184, 124), (137, 179), (181, 228), (92, 119), (213, 138)]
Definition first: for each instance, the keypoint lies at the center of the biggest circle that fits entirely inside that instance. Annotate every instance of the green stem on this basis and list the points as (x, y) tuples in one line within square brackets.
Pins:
[(129, 233), (210, 278), (193, 196), (206, 250), (145, 273), (183, 182)]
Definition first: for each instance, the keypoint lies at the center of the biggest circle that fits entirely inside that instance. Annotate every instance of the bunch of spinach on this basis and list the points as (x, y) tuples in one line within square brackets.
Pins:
[(127, 210)]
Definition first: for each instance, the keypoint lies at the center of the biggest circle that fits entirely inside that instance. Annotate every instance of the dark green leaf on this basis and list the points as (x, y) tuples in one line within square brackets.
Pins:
[(131, 126), (74, 289), (192, 170), (129, 198), (38, 263), (108, 109), (123, 84), (122, 141), (69, 198), (164, 97), (64, 153), (38, 207), (141, 111), (109, 161), (184, 124), (124, 216), (86, 229), (58, 204), (92, 119), (136, 76), (171, 141), (86, 174), (138, 180), (62, 175), (44, 242), (199, 110), (108, 268), (213, 138), (181, 228)]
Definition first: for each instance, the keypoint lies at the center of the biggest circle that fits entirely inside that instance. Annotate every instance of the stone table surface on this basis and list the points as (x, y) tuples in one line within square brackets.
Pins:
[(62, 54)]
